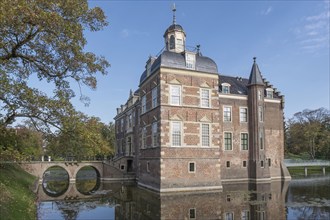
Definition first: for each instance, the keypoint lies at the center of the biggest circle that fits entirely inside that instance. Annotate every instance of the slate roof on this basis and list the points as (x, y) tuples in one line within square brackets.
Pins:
[(238, 85), (255, 75), (177, 60)]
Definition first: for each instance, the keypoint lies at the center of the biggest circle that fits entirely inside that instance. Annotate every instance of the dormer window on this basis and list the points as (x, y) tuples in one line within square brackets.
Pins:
[(190, 60), (225, 88), (269, 93)]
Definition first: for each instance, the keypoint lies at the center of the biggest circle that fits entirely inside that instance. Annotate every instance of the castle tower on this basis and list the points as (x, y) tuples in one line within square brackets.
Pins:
[(258, 168)]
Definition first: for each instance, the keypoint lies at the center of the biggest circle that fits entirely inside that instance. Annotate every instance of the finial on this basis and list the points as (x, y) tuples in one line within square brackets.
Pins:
[(198, 48), (174, 10), (254, 59)]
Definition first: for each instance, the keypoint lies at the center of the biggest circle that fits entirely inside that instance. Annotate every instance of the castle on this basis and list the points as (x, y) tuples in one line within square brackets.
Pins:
[(190, 128)]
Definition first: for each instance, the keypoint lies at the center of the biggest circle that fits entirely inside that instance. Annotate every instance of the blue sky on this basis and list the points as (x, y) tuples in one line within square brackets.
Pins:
[(289, 38)]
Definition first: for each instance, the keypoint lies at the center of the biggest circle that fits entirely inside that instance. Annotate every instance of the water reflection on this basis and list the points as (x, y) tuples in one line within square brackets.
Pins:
[(276, 200), (87, 180), (55, 181)]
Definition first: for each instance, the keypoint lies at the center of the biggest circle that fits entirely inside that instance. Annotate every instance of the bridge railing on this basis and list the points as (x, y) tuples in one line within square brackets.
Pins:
[(305, 163)]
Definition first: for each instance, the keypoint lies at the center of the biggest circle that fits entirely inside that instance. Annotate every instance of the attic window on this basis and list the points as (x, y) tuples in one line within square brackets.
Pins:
[(269, 93), (179, 43), (190, 60), (225, 88), (172, 42)]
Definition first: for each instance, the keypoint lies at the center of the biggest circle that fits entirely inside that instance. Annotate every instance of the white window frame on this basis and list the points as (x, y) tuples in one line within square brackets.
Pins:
[(172, 134), (245, 215), (241, 115), (143, 104), (227, 217), (192, 209), (190, 60), (241, 142), (261, 140), (206, 99), (270, 93), (230, 113), (204, 136), (175, 95), (224, 140), (154, 131), (225, 88), (154, 93), (191, 162)]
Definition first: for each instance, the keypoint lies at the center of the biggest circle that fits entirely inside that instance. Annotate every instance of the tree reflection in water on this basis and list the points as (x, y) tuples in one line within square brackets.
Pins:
[(55, 181), (87, 180)]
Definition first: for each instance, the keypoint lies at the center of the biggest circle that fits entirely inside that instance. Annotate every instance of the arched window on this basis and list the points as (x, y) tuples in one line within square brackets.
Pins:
[(172, 42)]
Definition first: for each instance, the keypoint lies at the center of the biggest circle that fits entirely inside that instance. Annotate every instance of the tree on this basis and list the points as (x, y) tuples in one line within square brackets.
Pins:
[(44, 39), (86, 137), (309, 131)]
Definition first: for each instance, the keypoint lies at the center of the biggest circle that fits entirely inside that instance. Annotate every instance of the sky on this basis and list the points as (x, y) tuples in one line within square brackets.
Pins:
[(289, 38)]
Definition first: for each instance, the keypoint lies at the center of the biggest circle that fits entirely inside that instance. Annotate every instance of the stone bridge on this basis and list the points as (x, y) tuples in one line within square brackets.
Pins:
[(105, 171)]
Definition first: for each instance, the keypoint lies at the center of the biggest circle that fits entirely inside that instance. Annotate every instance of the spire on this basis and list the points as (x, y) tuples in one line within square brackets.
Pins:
[(255, 75), (174, 10)]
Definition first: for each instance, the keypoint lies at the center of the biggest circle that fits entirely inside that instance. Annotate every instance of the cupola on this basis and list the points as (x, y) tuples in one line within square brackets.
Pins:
[(175, 37)]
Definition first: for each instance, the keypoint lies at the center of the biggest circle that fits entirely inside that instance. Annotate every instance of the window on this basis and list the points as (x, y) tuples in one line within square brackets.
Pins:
[(172, 42), (205, 135), (261, 215), (269, 93), (190, 60), (175, 95), (192, 167), (129, 119), (225, 88), (261, 140), (228, 141), (154, 134), (176, 133), (244, 163), (259, 95), (227, 113), (229, 216), (154, 97), (269, 162), (227, 164), (245, 215), (148, 166), (205, 98), (129, 145), (262, 164), (243, 114), (144, 137), (144, 104), (261, 114), (244, 141), (228, 198), (122, 124), (192, 213)]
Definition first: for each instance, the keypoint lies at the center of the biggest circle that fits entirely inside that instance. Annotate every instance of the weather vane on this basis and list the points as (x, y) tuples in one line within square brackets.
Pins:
[(174, 10)]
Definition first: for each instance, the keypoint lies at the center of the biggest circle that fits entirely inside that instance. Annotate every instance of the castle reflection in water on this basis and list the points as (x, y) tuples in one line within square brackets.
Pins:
[(126, 201), (236, 201)]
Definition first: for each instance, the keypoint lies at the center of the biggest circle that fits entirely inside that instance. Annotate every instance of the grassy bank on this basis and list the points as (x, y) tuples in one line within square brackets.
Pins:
[(300, 171), (17, 201)]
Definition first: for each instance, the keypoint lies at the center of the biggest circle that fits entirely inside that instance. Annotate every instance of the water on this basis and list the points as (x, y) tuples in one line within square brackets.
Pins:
[(307, 198)]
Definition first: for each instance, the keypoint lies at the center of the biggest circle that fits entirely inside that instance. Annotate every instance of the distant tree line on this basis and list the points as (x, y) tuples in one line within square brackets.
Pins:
[(308, 134)]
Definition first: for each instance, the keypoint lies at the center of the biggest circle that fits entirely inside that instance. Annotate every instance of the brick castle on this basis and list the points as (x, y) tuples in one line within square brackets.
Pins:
[(190, 128)]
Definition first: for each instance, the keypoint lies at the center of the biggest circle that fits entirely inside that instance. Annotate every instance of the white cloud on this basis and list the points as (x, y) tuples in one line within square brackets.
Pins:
[(314, 33), (267, 11)]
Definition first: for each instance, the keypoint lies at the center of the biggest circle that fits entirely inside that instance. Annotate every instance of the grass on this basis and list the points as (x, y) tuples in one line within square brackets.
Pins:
[(17, 200), (300, 171)]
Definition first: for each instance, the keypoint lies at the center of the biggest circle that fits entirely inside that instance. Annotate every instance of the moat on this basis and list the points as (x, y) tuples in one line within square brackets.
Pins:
[(88, 198)]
